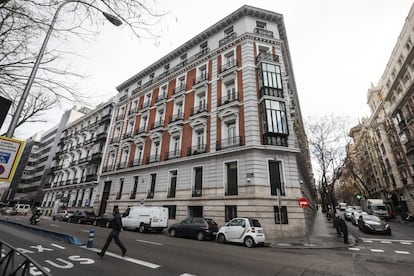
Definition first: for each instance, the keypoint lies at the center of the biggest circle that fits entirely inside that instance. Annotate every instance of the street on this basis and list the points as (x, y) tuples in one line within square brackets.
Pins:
[(159, 254)]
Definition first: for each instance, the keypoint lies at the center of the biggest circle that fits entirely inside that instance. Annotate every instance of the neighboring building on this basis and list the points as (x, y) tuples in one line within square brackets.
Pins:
[(74, 172), (28, 185), (214, 129), (387, 137)]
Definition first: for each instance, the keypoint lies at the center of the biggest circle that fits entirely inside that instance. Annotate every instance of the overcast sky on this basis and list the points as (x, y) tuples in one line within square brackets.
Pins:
[(338, 47)]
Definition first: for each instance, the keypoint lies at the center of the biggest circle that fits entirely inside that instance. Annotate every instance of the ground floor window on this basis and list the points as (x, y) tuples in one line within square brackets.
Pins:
[(230, 212), (172, 209), (282, 215)]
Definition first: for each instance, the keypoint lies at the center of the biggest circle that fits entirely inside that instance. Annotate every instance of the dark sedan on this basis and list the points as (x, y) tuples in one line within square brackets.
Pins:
[(106, 220), (373, 224), (194, 227), (83, 217)]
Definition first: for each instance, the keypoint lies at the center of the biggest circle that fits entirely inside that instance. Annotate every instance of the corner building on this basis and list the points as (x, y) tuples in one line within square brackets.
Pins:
[(214, 129)]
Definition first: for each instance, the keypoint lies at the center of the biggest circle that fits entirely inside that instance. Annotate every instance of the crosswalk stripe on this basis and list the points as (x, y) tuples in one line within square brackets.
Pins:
[(377, 250), (354, 248), (402, 252), (407, 243), (386, 242)]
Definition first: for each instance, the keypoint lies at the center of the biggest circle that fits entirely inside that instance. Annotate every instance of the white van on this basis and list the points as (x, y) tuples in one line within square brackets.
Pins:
[(22, 209), (145, 218)]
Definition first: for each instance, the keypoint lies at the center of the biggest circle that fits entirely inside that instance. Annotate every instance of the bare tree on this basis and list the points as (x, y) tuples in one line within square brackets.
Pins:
[(23, 24), (328, 138)]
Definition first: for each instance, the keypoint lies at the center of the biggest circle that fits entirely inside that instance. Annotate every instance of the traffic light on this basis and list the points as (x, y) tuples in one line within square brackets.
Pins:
[(358, 196)]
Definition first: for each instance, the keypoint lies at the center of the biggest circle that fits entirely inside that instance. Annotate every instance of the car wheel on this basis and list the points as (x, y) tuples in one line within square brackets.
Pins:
[(249, 242), (172, 233), (107, 224), (221, 238), (141, 228), (200, 236)]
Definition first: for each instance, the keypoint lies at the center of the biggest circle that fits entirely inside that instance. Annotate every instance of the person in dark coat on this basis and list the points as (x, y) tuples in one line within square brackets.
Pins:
[(344, 229), (114, 234), (337, 225)]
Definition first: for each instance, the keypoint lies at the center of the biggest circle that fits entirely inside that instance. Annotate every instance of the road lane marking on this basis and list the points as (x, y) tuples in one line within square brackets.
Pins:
[(187, 274), (367, 241), (354, 248), (128, 259), (54, 225), (386, 242), (402, 252), (150, 242), (58, 246), (407, 243), (377, 250)]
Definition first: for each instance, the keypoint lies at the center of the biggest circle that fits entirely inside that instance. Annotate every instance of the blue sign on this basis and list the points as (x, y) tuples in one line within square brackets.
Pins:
[(4, 157)]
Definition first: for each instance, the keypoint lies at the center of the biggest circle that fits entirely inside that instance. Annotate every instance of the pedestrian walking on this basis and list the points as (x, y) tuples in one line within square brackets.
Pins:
[(116, 229), (344, 229)]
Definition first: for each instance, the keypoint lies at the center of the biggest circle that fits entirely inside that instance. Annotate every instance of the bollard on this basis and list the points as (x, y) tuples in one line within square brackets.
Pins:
[(91, 236)]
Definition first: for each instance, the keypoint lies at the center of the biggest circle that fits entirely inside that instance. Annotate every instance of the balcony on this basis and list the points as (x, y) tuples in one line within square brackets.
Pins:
[(177, 118), (89, 178), (132, 111), (128, 135), (265, 56), (141, 130), (162, 98), (114, 140), (108, 168), (179, 90), (201, 80), (96, 157), (123, 98), (270, 91), (229, 67), (171, 193), (120, 117), (134, 163), (173, 154), (263, 32), (202, 148), (232, 98), (199, 109), (230, 142), (83, 160), (227, 39), (145, 105), (122, 165), (153, 159)]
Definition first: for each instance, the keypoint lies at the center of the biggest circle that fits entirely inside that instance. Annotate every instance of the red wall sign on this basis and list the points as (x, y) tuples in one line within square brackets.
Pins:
[(303, 202)]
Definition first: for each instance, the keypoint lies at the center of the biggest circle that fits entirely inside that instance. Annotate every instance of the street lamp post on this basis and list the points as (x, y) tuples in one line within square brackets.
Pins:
[(15, 118)]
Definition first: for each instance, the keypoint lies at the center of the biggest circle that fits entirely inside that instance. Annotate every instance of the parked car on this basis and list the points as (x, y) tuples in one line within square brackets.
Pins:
[(248, 231), (355, 216), (373, 224), (83, 217), (63, 215), (106, 220), (145, 218), (8, 211), (194, 227), (22, 209), (348, 213)]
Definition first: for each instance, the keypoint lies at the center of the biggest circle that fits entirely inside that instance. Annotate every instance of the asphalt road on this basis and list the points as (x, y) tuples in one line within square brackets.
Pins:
[(158, 254)]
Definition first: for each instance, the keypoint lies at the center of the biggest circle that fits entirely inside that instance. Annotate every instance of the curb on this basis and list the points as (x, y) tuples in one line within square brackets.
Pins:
[(56, 235), (318, 245)]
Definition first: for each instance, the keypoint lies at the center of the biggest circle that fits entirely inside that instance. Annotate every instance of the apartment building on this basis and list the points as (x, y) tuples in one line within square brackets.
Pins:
[(27, 186), (389, 132), (74, 172), (214, 129)]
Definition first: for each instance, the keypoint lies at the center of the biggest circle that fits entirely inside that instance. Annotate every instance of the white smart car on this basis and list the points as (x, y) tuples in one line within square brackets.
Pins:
[(242, 230)]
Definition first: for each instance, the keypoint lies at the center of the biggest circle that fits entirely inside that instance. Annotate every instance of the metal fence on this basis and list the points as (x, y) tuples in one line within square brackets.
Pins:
[(13, 262)]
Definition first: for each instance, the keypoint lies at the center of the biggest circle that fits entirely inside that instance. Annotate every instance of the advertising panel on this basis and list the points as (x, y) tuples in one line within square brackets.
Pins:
[(10, 153)]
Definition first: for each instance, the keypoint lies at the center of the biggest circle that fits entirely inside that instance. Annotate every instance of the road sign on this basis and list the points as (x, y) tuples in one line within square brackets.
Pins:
[(303, 202), (10, 152)]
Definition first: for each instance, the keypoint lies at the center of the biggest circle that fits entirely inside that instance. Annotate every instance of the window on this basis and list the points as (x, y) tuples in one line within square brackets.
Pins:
[(134, 189), (175, 146), (173, 184), (231, 179), (138, 155), (198, 182), (229, 60), (121, 186), (270, 80), (261, 25), (166, 68), (172, 209), (152, 187), (275, 177), (231, 94), (230, 212), (200, 146), (204, 47), (283, 213), (274, 118), (183, 58)]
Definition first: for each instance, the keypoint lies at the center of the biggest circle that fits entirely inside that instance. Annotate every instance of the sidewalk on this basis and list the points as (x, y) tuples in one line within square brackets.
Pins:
[(322, 234)]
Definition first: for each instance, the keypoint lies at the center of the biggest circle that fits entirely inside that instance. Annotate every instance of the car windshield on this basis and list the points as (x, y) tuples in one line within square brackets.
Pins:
[(349, 210), (89, 213), (379, 207), (255, 223), (371, 218)]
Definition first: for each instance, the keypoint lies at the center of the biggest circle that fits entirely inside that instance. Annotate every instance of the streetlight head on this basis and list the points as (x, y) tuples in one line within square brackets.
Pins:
[(113, 19)]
